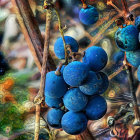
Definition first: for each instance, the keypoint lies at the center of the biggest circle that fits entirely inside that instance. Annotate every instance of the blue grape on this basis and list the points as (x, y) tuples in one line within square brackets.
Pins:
[(74, 122), (55, 86), (92, 84), (138, 73), (74, 100), (133, 57), (59, 46), (53, 102), (104, 83), (75, 73), (96, 108), (96, 58), (88, 15), (127, 38), (54, 117), (137, 22)]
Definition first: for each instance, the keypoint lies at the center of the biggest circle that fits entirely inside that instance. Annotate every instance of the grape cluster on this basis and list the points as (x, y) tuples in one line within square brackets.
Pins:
[(3, 64), (74, 90), (128, 39)]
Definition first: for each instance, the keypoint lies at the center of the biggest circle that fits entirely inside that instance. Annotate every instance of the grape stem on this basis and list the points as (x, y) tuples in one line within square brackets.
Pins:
[(132, 90), (84, 4), (40, 96), (62, 34), (128, 68), (116, 73)]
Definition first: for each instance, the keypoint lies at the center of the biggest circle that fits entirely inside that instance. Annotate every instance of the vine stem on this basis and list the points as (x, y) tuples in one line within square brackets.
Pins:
[(40, 97), (62, 34), (84, 4), (132, 90), (116, 73)]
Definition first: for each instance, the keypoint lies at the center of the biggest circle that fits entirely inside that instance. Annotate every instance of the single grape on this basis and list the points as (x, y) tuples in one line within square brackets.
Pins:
[(96, 58), (138, 73), (96, 108), (55, 86), (54, 117), (59, 46), (133, 57), (74, 122), (137, 22), (75, 73), (92, 84), (74, 100), (53, 102), (104, 84), (127, 38), (88, 15)]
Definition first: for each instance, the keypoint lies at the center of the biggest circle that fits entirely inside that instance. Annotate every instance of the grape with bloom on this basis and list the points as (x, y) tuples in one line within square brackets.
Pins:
[(88, 15)]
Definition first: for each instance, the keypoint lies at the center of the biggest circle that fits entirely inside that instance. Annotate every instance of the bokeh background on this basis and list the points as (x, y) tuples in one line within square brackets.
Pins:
[(19, 84)]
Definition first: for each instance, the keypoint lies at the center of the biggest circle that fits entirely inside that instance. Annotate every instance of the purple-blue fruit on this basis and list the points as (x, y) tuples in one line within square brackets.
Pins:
[(133, 57), (137, 22), (127, 38), (74, 122), (104, 82), (88, 15), (59, 46), (92, 84), (96, 58), (53, 102), (74, 100), (138, 73), (55, 86), (54, 117), (96, 108), (75, 73)]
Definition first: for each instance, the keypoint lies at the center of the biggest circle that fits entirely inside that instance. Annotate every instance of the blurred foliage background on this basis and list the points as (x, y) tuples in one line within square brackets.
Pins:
[(19, 85)]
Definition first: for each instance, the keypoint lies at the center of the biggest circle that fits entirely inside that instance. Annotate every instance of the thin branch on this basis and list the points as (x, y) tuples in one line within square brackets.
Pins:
[(116, 73), (40, 97), (31, 32), (133, 94), (62, 34)]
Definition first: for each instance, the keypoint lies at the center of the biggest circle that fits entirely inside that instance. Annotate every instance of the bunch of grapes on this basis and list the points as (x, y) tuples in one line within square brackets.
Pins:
[(128, 40), (74, 90), (3, 64)]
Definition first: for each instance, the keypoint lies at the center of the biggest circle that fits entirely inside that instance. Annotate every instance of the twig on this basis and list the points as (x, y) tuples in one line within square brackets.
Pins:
[(132, 90), (40, 97), (116, 73), (86, 135), (125, 7), (62, 34), (31, 32)]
